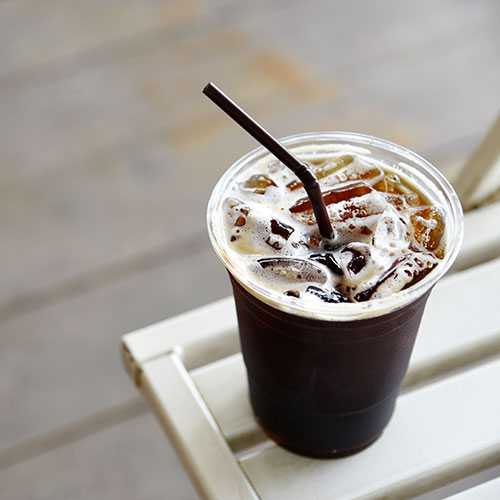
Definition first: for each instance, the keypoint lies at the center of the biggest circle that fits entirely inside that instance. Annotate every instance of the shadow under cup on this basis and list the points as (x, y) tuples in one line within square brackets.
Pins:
[(324, 382)]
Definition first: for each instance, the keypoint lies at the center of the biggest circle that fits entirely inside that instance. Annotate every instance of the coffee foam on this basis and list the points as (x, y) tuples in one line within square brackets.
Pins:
[(367, 227)]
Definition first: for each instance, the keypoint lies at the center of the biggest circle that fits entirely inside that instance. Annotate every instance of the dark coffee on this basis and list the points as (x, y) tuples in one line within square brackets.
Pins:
[(324, 388)]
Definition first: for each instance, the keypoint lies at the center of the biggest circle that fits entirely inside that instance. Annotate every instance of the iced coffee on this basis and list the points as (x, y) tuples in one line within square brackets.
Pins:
[(327, 325)]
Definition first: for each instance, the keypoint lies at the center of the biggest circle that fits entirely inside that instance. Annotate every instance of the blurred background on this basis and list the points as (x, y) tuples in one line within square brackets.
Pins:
[(109, 152)]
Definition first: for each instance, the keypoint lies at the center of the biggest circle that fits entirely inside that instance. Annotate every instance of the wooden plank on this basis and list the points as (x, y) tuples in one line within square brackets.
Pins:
[(450, 156), (481, 237), (436, 433), (463, 484), (230, 407), (129, 460), (479, 180), (64, 38), (33, 35), (205, 334), (394, 88), (486, 491), (193, 431), (459, 328), (126, 189), (385, 26), (83, 120), (70, 121), (74, 431), (46, 388), (391, 73), (107, 195)]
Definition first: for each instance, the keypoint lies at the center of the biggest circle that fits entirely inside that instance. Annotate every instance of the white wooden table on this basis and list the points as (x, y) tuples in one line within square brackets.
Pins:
[(447, 420)]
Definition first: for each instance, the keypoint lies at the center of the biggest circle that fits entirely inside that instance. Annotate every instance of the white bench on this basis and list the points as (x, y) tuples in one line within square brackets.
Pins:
[(447, 421), (446, 425)]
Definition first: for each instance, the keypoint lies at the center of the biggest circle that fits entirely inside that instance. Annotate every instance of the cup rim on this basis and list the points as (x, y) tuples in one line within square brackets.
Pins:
[(410, 163)]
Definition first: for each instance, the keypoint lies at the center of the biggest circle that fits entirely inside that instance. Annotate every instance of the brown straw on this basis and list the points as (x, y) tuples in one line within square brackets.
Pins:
[(301, 170)]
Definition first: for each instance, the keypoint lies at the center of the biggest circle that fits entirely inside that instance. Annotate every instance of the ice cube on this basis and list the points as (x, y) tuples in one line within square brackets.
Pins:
[(257, 183), (236, 211), (428, 228), (325, 168), (355, 172), (358, 207), (276, 242), (328, 260), (293, 269), (331, 296), (341, 192), (279, 234), (392, 184), (404, 272), (358, 260), (281, 229), (390, 233), (367, 294)]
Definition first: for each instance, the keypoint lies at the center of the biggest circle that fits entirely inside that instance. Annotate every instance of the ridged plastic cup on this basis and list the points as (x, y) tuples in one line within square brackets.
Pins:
[(323, 380)]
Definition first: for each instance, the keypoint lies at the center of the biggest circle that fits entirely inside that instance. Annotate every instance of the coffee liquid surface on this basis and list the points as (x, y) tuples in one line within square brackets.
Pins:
[(387, 234)]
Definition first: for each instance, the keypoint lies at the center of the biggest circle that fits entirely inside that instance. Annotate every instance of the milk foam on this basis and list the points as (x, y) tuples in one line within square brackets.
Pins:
[(374, 242)]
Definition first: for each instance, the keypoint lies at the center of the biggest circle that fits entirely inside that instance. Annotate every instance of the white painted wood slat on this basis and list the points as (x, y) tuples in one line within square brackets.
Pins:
[(486, 491), (438, 433), (479, 180), (198, 336), (481, 237), (193, 431), (230, 406)]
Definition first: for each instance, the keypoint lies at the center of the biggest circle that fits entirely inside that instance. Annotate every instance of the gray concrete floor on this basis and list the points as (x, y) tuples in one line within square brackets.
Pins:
[(109, 152)]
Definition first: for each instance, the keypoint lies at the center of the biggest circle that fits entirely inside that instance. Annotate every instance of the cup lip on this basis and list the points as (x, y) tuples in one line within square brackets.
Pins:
[(354, 310)]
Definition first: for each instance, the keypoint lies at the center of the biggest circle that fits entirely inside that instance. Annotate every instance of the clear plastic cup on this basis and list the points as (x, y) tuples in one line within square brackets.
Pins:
[(323, 378)]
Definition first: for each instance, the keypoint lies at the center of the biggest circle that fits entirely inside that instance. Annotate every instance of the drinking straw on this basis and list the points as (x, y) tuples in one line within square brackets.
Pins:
[(300, 169)]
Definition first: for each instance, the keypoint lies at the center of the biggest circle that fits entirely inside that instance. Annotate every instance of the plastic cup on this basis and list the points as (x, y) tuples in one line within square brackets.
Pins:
[(323, 379)]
